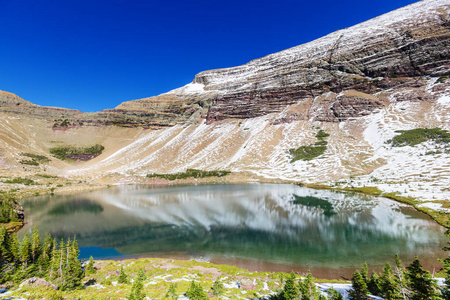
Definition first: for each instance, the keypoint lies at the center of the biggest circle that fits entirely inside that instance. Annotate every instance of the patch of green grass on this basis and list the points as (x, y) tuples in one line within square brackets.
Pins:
[(419, 135), (190, 173), (20, 180), (310, 152), (35, 159), (46, 176), (69, 152), (29, 162)]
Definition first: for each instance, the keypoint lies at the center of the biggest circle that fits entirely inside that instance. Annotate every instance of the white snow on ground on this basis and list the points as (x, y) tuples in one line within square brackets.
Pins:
[(444, 101)]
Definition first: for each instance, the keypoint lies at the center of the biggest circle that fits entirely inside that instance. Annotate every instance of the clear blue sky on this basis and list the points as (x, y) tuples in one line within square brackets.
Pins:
[(92, 55)]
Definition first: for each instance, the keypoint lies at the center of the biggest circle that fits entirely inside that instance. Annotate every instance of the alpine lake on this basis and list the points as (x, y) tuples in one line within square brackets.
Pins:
[(259, 227)]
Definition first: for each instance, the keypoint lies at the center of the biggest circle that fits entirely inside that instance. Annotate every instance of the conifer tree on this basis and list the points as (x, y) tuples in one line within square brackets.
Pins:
[(359, 288), (399, 272), (374, 284), (390, 290), (172, 291), (90, 266), (217, 288), (195, 292), (290, 290), (35, 245), (334, 295), (365, 273), (15, 253), (123, 278), (73, 273), (46, 254), (420, 282), (308, 290), (25, 250), (137, 288)]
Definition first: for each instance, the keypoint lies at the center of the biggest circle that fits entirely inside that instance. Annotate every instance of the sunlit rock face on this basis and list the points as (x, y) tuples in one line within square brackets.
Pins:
[(281, 224)]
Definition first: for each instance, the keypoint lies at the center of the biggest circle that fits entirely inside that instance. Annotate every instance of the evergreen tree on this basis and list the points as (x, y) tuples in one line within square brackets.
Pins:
[(359, 288), (308, 290), (172, 291), (90, 266), (420, 282), (365, 273), (446, 288), (217, 288), (390, 290), (374, 284), (334, 295), (15, 252), (138, 285), (290, 291), (123, 278), (35, 245), (46, 254), (25, 250), (73, 273), (195, 292), (399, 272)]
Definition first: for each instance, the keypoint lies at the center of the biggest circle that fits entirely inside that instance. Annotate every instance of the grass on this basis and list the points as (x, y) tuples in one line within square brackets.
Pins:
[(419, 135), (159, 277), (21, 180), (190, 173), (310, 152), (69, 152), (35, 159)]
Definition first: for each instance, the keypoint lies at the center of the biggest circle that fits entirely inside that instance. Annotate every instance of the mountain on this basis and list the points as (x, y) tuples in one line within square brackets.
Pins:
[(359, 85)]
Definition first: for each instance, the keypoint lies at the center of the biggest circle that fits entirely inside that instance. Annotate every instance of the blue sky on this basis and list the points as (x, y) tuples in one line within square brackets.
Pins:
[(92, 55)]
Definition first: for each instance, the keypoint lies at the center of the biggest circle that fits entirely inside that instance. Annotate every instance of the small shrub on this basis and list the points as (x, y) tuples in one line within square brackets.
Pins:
[(190, 173), (81, 153), (419, 135), (20, 180), (310, 152)]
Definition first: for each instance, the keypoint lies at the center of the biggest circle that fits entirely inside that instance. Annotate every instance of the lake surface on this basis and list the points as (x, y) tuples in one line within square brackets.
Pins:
[(257, 226)]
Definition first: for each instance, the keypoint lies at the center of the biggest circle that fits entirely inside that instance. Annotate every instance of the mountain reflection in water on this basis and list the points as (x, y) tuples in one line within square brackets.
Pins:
[(274, 223)]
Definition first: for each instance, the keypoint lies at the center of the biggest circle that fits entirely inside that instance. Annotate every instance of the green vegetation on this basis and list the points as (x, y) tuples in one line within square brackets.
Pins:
[(82, 153), (190, 173), (195, 292), (31, 258), (398, 283), (61, 123), (442, 79), (419, 135), (35, 159), (20, 180), (8, 209), (311, 151)]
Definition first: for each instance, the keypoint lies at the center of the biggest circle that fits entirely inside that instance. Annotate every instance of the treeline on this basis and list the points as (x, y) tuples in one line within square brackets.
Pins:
[(57, 263), (8, 209), (190, 173), (397, 283)]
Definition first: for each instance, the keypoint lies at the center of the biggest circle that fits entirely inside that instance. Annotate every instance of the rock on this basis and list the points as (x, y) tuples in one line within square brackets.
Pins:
[(36, 281), (89, 281)]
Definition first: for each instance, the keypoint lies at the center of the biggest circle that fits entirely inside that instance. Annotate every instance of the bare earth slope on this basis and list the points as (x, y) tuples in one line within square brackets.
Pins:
[(359, 84)]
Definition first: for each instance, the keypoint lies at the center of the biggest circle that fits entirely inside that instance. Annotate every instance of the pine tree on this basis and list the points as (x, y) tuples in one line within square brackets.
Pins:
[(46, 254), (25, 250), (90, 266), (195, 292), (390, 290), (446, 288), (290, 291), (374, 285), (15, 252), (420, 282), (308, 290), (399, 272), (365, 273), (172, 291), (217, 288), (334, 295), (73, 273), (35, 245), (123, 278), (359, 288), (138, 285)]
